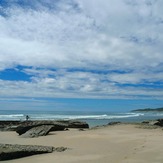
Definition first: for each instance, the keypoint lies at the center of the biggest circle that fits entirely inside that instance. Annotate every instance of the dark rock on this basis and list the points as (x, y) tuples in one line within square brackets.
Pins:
[(153, 122), (57, 125), (60, 149), (145, 122), (8, 151), (74, 124), (14, 125), (9, 125), (21, 127), (42, 130), (113, 123), (24, 127), (158, 122)]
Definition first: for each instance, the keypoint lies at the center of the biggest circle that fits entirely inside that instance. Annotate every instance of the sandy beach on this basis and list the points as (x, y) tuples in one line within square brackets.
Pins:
[(124, 143)]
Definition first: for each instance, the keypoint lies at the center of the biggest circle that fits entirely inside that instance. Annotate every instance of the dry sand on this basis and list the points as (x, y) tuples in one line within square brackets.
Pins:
[(115, 144)]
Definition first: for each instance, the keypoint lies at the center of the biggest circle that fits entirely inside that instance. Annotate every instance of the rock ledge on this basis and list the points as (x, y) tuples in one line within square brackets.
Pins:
[(14, 151)]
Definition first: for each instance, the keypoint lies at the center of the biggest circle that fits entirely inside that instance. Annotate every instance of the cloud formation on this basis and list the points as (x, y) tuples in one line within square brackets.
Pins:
[(80, 48)]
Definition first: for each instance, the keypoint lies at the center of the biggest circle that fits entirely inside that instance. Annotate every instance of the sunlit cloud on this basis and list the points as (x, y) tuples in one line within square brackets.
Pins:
[(82, 49)]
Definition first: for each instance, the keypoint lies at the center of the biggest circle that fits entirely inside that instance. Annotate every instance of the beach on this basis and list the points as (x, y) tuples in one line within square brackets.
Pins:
[(121, 143)]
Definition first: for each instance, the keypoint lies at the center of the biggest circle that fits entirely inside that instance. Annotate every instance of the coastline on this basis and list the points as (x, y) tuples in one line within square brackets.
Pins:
[(93, 118), (119, 143)]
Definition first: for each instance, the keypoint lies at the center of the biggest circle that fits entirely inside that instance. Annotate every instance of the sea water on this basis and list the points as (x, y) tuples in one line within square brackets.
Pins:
[(92, 118)]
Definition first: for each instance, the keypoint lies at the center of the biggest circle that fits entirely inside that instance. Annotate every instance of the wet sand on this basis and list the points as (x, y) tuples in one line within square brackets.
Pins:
[(124, 143)]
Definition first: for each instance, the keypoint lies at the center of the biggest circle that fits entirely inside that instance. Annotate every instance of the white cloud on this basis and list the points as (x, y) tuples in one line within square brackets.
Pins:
[(82, 85), (123, 35), (136, 78), (70, 38)]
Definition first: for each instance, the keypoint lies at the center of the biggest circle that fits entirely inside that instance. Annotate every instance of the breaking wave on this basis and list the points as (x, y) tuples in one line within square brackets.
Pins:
[(68, 117)]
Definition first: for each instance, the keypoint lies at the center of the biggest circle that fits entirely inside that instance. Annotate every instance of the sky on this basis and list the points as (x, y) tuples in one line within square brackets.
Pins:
[(93, 53)]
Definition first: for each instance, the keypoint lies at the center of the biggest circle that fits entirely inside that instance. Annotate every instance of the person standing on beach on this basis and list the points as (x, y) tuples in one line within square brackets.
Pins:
[(27, 117)]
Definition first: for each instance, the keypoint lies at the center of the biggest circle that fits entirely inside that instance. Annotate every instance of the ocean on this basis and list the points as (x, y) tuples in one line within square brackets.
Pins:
[(92, 118)]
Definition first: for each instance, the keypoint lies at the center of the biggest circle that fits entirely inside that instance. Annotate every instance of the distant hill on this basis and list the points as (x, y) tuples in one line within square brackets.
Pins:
[(148, 110)]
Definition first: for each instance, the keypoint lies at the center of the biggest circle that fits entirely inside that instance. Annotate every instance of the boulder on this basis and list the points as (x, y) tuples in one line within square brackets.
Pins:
[(145, 122), (113, 123), (42, 130), (54, 125), (10, 151), (74, 124), (9, 125), (158, 122), (24, 127)]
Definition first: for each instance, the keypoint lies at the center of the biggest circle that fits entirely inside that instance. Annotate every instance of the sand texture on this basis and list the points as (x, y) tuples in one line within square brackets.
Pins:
[(124, 143)]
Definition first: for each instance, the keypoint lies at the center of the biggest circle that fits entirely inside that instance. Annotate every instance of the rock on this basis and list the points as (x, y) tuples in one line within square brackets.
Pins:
[(145, 122), (9, 125), (158, 122), (74, 124), (60, 149), (66, 129), (113, 123), (37, 128), (24, 127), (57, 125), (153, 122), (42, 130), (8, 151), (14, 151)]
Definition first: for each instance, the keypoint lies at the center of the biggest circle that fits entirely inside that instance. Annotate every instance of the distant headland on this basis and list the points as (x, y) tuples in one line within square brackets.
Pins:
[(149, 110)]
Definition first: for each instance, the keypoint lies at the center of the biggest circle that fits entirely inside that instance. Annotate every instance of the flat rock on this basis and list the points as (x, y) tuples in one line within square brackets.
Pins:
[(10, 151), (24, 127), (9, 125), (14, 151), (57, 125), (74, 124), (113, 123), (42, 130)]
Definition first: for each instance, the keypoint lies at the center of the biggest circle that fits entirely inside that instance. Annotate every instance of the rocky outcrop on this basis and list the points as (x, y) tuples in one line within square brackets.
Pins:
[(10, 151), (113, 123), (54, 126), (42, 130), (158, 122), (9, 125), (74, 124)]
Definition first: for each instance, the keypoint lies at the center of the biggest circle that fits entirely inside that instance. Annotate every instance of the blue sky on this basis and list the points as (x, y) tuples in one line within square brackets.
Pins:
[(102, 54)]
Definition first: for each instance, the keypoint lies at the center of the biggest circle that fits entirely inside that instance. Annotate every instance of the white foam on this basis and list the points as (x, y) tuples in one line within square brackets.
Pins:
[(12, 117), (103, 116), (68, 117)]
